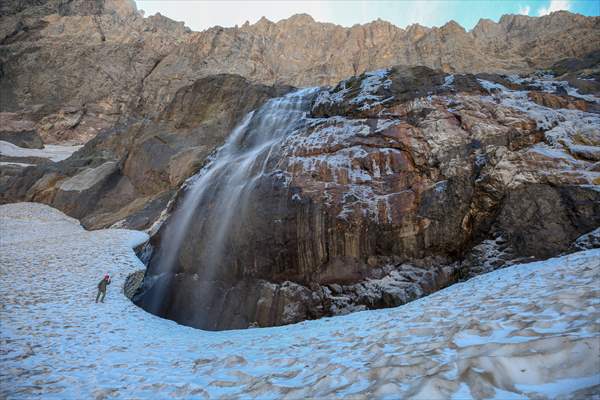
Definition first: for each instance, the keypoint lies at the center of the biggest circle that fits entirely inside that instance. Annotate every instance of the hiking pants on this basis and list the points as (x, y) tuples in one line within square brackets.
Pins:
[(103, 292)]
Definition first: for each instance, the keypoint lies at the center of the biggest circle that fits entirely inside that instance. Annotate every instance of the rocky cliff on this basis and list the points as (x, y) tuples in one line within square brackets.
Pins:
[(128, 173), (397, 181), (74, 68), (302, 52)]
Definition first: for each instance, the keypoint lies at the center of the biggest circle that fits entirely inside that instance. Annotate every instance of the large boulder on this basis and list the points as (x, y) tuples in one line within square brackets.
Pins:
[(396, 173)]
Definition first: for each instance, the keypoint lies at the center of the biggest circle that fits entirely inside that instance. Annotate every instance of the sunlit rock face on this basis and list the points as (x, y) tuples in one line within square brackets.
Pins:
[(302, 52), (77, 68), (376, 196)]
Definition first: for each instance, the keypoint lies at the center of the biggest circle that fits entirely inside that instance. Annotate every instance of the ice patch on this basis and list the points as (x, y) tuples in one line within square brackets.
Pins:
[(441, 186), (16, 164), (448, 81), (52, 152), (366, 98), (491, 86)]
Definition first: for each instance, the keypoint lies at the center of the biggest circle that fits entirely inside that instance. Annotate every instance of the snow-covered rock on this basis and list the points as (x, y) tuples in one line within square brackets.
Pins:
[(529, 330)]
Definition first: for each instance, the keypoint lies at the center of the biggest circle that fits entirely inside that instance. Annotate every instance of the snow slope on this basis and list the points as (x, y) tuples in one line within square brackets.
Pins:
[(527, 330)]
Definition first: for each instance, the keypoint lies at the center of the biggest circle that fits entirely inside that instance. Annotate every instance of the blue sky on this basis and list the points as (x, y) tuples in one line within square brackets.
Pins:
[(202, 14)]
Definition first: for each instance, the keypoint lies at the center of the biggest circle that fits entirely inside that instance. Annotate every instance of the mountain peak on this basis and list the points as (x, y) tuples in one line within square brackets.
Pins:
[(299, 19), (263, 21), (453, 26)]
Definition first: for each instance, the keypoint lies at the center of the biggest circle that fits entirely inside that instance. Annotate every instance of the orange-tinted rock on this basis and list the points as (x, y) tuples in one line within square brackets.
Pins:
[(557, 101)]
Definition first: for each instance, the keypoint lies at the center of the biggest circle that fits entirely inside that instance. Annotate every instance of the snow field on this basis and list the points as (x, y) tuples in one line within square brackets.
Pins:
[(524, 331)]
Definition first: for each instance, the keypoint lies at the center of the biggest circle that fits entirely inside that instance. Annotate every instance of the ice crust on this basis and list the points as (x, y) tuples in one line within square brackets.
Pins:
[(524, 331)]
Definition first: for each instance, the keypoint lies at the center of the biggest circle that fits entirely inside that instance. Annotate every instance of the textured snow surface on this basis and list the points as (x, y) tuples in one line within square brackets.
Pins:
[(523, 331), (54, 152)]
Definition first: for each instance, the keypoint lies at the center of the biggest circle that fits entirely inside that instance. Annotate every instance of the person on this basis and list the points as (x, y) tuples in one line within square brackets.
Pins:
[(102, 287)]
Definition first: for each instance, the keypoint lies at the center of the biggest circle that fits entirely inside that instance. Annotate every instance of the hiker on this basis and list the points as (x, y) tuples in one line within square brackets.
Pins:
[(102, 287)]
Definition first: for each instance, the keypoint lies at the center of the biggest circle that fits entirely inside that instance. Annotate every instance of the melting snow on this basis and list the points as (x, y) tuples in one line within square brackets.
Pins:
[(17, 164), (448, 81), (525, 331), (52, 152)]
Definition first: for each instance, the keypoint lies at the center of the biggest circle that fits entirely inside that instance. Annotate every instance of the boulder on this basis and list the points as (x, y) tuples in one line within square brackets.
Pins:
[(556, 101), (397, 183), (77, 194)]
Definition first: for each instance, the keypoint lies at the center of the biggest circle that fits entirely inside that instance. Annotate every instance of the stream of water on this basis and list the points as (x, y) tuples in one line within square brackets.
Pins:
[(218, 194)]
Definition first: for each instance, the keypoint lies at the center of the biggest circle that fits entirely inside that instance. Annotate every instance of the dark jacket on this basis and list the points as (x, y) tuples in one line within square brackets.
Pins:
[(102, 285)]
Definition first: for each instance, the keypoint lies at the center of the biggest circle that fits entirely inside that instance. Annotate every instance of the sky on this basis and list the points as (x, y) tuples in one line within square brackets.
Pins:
[(203, 14)]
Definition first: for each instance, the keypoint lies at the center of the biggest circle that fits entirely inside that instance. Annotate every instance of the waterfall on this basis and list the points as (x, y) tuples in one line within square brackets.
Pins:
[(217, 194)]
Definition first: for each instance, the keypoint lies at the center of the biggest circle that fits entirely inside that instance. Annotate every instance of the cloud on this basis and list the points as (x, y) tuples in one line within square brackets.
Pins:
[(524, 10), (555, 5)]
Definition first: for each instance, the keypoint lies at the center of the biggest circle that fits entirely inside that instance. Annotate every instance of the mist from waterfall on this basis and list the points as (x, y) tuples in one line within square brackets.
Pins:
[(218, 193)]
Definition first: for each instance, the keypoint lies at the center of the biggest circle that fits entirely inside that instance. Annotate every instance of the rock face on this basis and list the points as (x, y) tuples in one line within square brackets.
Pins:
[(393, 179), (19, 131), (129, 173), (302, 52), (79, 67), (397, 182)]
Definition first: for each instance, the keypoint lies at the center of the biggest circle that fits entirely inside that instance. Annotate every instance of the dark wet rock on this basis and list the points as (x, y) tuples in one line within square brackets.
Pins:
[(259, 303), (543, 220), (133, 283)]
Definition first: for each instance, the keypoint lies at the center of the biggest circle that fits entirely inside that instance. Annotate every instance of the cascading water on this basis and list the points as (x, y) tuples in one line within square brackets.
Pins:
[(217, 196)]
